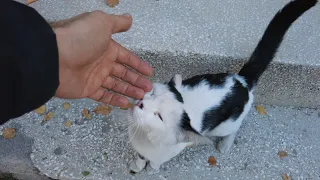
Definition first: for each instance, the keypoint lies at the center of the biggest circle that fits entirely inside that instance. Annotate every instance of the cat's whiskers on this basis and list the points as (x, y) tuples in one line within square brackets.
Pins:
[(137, 127), (129, 124), (129, 127)]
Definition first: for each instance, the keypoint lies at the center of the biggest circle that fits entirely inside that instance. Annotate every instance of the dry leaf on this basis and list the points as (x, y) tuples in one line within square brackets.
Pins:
[(282, 154), (66, 106), (30, 1), (102, 109), (130, 105), (9, 133), (85, 173), (48, 116), (285, 177), (42, 109), (85, 113), (212, 161), (112, 3), (261, 110), (68, 123)]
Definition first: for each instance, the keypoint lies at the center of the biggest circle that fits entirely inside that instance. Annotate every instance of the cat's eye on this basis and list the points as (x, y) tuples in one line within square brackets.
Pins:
[(158, 115)]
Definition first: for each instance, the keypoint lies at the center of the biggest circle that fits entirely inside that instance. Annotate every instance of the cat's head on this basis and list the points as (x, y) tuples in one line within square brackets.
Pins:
[(161, 109)]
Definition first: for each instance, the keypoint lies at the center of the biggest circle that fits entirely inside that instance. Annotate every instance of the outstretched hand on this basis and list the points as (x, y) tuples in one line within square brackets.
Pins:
[(91, 63)]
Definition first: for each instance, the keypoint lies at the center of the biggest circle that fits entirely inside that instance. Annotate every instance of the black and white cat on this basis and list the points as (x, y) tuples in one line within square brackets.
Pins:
[(204, 105)]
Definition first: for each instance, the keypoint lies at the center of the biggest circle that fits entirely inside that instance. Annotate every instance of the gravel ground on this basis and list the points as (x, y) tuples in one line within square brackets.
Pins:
[(98, 148)]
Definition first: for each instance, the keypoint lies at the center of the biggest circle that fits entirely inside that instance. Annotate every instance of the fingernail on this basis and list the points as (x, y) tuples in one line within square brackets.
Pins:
[(126, 14)]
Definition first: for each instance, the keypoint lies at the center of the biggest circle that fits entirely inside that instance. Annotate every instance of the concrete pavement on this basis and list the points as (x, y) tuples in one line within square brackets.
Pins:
[(187, 37), (99, 147)]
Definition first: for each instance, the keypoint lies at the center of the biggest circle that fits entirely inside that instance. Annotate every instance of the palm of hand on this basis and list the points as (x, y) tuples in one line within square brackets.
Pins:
[(91, 62)]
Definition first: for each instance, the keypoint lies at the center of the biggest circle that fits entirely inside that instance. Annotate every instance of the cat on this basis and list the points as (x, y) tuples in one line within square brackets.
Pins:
[(203, 106)]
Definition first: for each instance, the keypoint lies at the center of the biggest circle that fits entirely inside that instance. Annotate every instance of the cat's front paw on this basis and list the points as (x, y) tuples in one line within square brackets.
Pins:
[(224, 146), (151, 171), (135, 167)]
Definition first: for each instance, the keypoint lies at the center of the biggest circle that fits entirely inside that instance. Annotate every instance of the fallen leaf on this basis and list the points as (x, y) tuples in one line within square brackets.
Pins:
[(130, 105), (285, 177), (68, 123), (30, 1), (85, 113), (282, 154), (42, 109), (212, 161), (9, 133), (261, 110), (112, 3), (85, 173), (66, 106), (102, 109), (48, 116)]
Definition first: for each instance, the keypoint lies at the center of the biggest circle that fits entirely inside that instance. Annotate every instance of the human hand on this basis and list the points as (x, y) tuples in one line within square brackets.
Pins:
[(91, 62)]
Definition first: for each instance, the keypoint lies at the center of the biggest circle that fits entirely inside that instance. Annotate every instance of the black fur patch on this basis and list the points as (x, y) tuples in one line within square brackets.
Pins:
[(141, 157), (185, 123), (272, 39), (172, 88), (212, 79), (231, 107)]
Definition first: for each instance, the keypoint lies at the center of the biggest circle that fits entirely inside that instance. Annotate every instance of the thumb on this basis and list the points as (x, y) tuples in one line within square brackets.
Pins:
[(121, 23)]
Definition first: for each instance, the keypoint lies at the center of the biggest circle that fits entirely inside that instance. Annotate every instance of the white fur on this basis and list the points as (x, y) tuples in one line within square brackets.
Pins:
[(203, 97), (230, 126), (159, 141)]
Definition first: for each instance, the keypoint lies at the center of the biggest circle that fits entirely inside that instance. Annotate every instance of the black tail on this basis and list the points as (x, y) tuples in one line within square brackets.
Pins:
[(272, 38)]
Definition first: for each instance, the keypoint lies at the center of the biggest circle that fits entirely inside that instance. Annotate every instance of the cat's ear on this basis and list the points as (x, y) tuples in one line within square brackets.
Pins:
[(177, 79)]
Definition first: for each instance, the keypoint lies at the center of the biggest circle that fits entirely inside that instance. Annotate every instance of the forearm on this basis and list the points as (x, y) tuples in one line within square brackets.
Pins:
[(29, 60)]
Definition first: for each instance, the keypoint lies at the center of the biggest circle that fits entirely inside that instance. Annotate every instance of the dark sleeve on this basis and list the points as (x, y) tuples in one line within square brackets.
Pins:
[(28, 60)]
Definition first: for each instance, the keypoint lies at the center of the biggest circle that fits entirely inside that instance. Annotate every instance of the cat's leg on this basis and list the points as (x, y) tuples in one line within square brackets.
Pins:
[(138, 164), (165, 155), (226, 142), (153, 167), (197, 139)]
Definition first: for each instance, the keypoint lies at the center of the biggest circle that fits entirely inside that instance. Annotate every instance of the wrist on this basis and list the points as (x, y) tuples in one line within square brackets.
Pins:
[(61, 43)]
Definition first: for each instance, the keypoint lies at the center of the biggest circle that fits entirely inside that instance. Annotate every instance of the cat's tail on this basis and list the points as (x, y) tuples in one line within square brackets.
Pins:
[(272, 38)]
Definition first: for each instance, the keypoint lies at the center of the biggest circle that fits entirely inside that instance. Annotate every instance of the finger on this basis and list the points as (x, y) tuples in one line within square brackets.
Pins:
[(121, 23), (122, 88), (102, 95), (128, 58), (131, 77)]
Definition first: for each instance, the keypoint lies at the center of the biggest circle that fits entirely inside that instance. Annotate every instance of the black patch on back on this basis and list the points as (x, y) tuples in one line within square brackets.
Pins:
[(212, 79), (185, 123), (141, 157), (172, 88), (231, 107)]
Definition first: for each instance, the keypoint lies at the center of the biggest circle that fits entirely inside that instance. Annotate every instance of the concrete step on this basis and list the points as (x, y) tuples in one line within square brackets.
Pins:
[(188, 37), (99, 146)]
